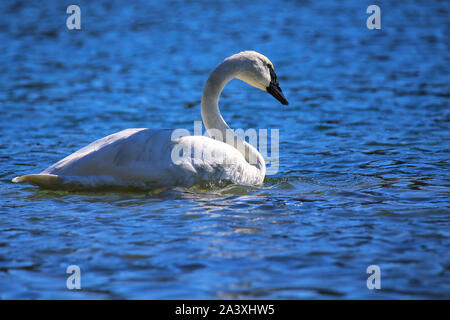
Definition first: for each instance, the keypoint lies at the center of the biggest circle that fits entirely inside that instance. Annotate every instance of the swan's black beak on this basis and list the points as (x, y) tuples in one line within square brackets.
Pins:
[(274, 87), (275, 90)]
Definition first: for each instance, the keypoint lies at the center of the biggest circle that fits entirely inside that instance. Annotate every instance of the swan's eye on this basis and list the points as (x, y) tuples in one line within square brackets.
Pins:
[(273, 76)]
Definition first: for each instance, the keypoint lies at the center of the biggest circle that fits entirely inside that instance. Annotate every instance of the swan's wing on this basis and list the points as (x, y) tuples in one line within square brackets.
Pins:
[(132, 154), (127, 157), (145, 157), (97, 156)]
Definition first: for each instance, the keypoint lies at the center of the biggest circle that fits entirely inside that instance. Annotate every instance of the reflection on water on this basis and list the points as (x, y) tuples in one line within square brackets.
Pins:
[(364, 152)]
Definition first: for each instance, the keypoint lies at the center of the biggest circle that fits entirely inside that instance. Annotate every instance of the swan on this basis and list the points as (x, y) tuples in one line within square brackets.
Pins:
[(145, 157)]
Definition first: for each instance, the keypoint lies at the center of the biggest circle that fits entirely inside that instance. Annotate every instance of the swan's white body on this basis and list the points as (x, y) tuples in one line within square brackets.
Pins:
[(143, 157)]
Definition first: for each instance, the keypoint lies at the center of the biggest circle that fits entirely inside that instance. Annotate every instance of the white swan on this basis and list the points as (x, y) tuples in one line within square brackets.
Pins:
[(143, 157)]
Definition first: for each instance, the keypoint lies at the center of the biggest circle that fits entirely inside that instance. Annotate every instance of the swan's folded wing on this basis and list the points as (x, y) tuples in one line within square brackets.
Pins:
[(128, 157), (130, 154)]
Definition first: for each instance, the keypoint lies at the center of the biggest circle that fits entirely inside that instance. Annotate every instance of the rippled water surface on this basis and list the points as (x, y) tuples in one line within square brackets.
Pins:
[(364, 150)]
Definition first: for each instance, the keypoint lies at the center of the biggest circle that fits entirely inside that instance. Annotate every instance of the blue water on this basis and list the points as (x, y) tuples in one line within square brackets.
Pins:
[(364, 150)]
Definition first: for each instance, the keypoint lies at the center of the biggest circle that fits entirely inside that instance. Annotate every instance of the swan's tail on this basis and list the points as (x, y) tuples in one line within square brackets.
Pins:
[(41, 180), (55, 182)]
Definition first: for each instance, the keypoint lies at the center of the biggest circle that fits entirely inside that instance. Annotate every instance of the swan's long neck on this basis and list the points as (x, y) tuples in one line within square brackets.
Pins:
[(213, 120)]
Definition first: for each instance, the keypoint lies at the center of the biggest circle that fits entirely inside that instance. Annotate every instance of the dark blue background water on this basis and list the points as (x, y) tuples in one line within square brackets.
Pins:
[(364, 150)]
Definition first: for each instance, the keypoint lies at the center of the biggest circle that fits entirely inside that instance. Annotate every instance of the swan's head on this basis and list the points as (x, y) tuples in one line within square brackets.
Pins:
[(257, 71)]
